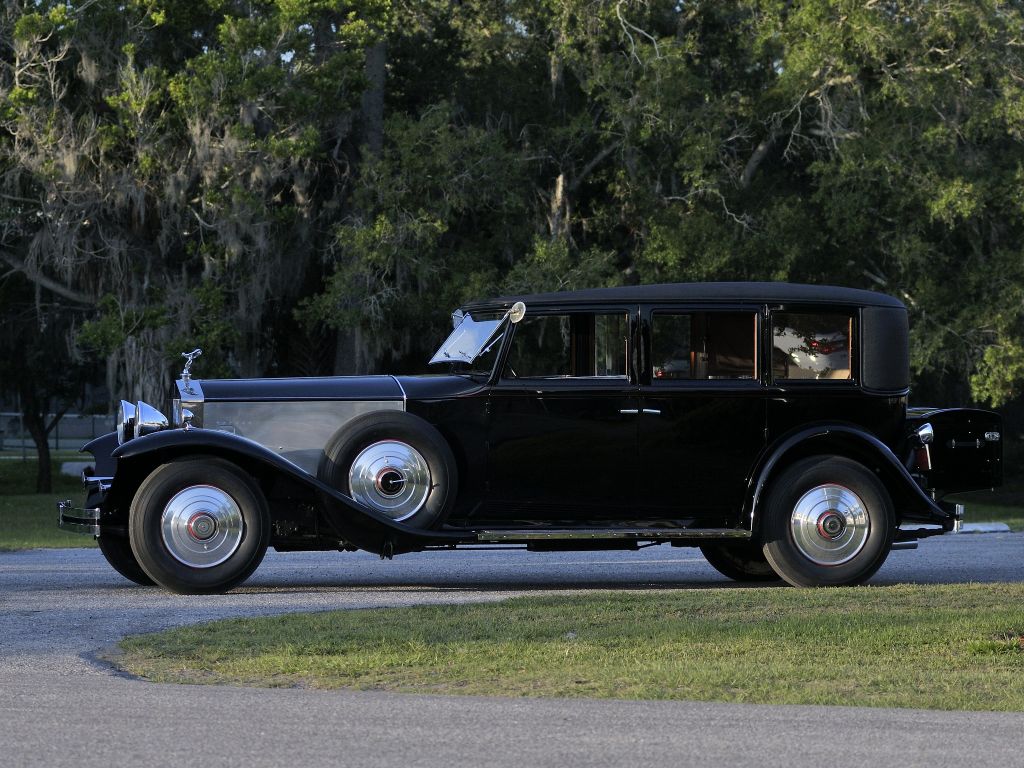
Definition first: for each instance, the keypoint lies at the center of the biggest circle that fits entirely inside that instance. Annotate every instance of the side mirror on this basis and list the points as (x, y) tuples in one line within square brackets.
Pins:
[(517, 313)]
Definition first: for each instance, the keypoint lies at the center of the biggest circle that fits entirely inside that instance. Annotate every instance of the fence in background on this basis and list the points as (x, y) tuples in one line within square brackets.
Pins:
[(70, 434)]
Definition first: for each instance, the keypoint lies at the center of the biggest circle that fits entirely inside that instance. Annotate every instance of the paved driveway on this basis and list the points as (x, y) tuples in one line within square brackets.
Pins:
[(59, 708)]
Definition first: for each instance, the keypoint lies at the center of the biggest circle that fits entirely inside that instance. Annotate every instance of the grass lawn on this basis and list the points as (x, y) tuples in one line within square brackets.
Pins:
[(937, 647), (28, 519)]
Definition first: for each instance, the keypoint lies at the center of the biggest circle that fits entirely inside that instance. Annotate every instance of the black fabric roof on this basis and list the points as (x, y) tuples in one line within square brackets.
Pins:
[(707, 292)]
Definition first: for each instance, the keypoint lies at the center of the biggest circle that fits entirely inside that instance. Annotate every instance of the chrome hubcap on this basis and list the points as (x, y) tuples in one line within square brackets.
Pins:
[(391, 477), (201, 526), (830, 525)]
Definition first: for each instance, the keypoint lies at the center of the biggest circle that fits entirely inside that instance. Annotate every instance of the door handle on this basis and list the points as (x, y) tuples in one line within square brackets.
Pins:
[(629, 411), (652, 411)]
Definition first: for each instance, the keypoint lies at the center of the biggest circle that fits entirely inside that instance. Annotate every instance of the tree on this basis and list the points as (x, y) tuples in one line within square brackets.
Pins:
[(339, 175), (38, 363)]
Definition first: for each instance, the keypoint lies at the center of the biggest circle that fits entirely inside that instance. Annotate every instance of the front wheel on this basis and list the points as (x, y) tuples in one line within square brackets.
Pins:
[(118, 552), (829, 522), (199, 526)]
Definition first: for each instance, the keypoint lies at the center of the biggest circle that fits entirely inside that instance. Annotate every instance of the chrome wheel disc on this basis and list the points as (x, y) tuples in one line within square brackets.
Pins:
[(391, 477), (830, 525), (201, 526)]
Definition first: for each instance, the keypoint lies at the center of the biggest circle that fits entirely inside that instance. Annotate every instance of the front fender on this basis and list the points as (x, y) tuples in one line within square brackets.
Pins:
[(169, 444), (851, 441)]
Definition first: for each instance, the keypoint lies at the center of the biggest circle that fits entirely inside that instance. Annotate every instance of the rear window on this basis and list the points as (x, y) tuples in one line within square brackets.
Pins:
[(811, 346)]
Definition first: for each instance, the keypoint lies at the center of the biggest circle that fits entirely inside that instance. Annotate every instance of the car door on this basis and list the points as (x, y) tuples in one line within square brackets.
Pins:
[(562, 419), (703, 412)]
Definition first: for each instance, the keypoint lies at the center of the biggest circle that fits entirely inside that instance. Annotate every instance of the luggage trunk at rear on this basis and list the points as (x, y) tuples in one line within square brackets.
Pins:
[(966, 451)]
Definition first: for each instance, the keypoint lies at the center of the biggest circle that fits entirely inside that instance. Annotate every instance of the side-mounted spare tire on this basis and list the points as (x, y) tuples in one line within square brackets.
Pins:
[(396, 464)]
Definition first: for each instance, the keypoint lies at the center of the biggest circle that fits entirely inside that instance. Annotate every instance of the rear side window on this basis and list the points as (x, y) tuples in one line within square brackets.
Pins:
[(811, 346), (703, 345), (576, 345)]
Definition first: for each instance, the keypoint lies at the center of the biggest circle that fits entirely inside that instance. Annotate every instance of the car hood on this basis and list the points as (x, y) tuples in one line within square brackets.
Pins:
[(335, 388)]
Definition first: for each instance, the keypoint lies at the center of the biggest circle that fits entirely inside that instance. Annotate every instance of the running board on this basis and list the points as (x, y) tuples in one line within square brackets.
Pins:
[(635, 534)]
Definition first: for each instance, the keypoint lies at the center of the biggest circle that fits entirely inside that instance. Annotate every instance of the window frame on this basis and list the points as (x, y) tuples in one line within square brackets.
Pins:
[(587, 382), (648, 314), (851, 313)]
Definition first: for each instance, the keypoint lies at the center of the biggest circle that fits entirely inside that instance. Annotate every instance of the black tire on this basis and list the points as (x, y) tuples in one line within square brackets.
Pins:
[(176, 549), (740, 562), (829, 522), (118, 551), (360, 449)]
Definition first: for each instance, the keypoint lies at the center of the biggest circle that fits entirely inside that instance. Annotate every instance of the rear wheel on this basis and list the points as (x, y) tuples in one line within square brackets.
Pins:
[(118, 551), (199, 526), (740, 562), (829, 522)]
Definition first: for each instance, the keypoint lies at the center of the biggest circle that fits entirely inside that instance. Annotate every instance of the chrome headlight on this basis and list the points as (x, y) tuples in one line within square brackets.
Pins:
[(138, 420), (125, 422), (148, 419)]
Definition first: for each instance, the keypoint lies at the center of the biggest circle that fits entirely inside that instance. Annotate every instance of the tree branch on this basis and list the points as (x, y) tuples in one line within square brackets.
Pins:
[(51, 285), (589, 167), (755, 159)]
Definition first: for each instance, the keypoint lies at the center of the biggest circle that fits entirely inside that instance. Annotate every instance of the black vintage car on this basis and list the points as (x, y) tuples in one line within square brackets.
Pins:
[(765, 423)]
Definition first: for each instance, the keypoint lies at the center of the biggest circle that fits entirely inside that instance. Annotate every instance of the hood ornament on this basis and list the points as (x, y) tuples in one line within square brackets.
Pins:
[(186, 375)]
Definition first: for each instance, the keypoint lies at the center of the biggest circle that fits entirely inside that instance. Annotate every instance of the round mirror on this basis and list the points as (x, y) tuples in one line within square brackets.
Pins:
[(518, 312)]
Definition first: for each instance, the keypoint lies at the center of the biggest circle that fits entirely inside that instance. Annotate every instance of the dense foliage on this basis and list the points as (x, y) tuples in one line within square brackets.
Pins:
[(308, 186)]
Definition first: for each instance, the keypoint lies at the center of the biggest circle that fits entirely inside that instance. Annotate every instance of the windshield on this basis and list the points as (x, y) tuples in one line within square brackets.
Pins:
[(469, 340)]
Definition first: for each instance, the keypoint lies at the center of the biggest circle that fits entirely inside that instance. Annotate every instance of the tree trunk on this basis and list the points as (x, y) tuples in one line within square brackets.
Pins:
[(372, 103), (350, 352), (350, 358), (34, 424)]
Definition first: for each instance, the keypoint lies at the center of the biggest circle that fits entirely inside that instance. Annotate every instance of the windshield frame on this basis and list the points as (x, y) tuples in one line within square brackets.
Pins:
[(477, 336)]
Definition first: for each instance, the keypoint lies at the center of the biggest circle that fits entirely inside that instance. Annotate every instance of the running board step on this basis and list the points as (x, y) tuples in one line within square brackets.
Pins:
[(508, 535)]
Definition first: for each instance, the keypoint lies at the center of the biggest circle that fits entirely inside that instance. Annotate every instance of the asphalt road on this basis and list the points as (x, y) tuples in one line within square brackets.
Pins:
[(59, 707)]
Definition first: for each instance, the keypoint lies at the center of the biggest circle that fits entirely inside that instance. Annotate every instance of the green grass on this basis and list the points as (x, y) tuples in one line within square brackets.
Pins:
[(29, 520), (937, 647)]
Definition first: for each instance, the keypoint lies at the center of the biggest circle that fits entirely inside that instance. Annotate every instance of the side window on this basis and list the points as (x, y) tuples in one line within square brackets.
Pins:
[(704, 345), (811, 346), (578, 345)]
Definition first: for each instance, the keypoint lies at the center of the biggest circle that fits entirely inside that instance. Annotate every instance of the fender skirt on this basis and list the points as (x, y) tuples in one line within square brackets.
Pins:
[(912, 499), (364, 527)]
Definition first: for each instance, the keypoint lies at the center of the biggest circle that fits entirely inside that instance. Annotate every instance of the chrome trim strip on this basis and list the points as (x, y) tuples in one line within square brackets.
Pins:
[(405, 398), (646, 534)]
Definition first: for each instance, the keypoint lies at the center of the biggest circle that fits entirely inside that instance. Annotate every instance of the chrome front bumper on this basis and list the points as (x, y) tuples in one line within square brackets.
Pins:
[(78, 520)]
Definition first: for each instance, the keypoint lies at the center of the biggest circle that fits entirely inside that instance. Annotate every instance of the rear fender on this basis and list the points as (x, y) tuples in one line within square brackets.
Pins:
[(909, 499)]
